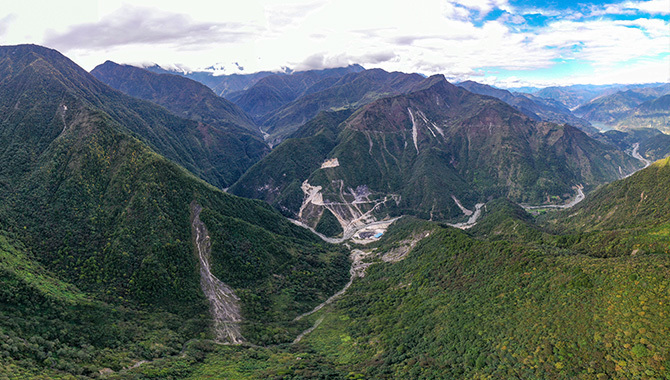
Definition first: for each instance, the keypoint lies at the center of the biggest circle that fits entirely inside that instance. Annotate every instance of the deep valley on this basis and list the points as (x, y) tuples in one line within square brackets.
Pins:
[(340, 223)]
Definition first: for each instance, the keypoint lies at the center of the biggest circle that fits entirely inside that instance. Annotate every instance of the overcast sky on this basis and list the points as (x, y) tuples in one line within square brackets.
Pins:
[(503, 42)]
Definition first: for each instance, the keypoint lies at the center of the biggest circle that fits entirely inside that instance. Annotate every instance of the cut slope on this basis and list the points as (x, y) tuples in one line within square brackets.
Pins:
[(278, 177)]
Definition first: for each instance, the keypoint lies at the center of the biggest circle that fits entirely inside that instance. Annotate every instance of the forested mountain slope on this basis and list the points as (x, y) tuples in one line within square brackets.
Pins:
[(42, 86), (184, 97), (103, 229), (274, 91), (654, 113), (418, 153), (348, 92)]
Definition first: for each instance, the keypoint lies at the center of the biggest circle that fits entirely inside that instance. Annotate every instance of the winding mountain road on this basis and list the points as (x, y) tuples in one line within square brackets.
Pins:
[(357, 270)]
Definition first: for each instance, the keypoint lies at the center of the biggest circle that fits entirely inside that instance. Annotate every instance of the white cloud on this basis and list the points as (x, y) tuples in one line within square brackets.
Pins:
[(137, 25), (5, 22), (435, 36), (651, 6), (605, 42), (482, 6), (282, 15), (631, 7), (640, 72)]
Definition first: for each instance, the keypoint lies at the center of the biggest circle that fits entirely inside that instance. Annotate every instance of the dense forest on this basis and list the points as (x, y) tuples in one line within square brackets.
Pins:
[(102, 254)]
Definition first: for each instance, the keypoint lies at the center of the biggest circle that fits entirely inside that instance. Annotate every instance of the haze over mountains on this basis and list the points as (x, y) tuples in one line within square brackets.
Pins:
[(538, 108), (122, 257)]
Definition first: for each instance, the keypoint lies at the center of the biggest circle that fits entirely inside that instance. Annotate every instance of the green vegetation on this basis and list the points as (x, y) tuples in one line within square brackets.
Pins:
[(460, 307), (100, 271), (50, 90), (505, 220), (540, 109), (50, 329), (653, 113), (272, 92), (654, 145), (350, 92), (99, 278), (226, 136), (278, 177), (476, 149), (463, 308), (329, 225), (276, 277), (184, 97)]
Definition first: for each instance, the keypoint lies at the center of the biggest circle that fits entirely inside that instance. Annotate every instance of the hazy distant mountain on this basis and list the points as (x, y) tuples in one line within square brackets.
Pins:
[(654, 113), (571, 97), (534, 107), (222, 85), (184, 97), (610, 108), (577, 95), (274, 91), (348, 92), (422, 148)]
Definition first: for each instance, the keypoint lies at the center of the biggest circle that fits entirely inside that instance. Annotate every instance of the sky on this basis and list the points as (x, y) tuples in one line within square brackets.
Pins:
[(507, 43)]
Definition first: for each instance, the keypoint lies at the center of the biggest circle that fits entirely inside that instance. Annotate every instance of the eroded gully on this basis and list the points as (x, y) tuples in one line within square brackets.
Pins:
[(224, 304)]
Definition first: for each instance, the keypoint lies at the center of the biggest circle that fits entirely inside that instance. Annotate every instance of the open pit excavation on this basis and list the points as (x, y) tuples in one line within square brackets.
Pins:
[(355, 215), (362, 235), (222, 299)]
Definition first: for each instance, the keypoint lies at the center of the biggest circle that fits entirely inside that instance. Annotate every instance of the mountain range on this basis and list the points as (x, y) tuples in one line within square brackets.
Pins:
[(185, 98), (429, 153), (451, 231), (654, 113), (98, 230), (222, 85), (534, 107)]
